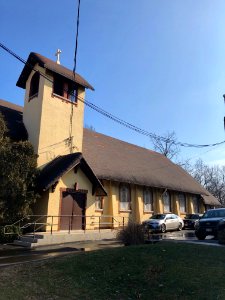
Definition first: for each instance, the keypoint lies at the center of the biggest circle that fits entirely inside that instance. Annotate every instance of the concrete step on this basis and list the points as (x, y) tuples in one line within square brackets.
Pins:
[(22, 243), (63, 237), (36, 236), (28, 239)]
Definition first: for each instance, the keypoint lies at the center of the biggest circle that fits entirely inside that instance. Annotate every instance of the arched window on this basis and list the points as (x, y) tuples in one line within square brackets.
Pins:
[(125, 199), (34, 85), (182, 202), (148, 200), (167, 202), (99, 203), (195, 202)]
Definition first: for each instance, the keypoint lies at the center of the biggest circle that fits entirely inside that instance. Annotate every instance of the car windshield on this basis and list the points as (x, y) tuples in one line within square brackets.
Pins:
[(188, 217), (194, 216), (214, 214), (158, 217)]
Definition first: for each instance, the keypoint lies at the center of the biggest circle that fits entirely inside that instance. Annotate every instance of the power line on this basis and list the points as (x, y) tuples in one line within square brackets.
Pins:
[(74, 77), (111, 116)]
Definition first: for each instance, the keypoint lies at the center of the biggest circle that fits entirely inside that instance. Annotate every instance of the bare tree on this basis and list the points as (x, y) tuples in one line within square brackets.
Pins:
[(167, 146), (211, 177), (186, 165)]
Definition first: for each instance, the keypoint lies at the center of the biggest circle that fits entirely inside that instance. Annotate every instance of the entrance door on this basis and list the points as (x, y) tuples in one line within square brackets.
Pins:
[(73, 211), (79, 204)]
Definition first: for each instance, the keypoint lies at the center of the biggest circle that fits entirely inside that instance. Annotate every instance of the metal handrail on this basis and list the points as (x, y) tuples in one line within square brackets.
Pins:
[(51, 223)]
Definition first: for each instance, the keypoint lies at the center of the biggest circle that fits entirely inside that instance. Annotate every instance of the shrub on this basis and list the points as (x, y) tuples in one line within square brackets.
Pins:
[(132, 234), (8, 238)]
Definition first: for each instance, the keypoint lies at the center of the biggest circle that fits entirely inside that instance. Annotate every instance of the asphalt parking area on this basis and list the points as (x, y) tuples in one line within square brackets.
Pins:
[(183, 235)]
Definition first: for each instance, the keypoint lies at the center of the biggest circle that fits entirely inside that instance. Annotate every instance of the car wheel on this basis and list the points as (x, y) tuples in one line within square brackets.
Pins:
[(179, 227), (200, 236), (163, 228)]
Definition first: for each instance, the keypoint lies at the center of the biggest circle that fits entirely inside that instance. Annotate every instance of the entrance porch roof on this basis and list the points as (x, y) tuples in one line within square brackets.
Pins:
[(61, 165)]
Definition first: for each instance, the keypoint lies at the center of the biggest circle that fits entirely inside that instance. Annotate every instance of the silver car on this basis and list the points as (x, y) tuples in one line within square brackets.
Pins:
[(164, 222)]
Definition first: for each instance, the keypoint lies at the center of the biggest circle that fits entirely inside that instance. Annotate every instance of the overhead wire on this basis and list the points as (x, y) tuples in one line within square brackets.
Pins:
[(74, 77), (113, 117)]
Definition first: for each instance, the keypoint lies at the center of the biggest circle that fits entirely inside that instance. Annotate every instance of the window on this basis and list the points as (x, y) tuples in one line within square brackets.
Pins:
[(125, 200), (148, 200), (65, 89), (99, 203), (195, 201), (182, 201), (166, 201), (34, 85)]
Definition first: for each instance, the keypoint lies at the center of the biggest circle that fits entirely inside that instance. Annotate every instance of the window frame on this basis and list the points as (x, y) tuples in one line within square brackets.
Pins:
[(124, 188), (99, 200), (196, 204), (148, 192), (166, 193), (185, 202), (65, 89)]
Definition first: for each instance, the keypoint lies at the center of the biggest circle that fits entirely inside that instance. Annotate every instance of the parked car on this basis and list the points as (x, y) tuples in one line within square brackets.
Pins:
[(208, 224), (191, 219), (163, 222)]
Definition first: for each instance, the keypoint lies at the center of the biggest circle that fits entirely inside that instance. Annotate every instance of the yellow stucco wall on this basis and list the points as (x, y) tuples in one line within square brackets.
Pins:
[(47, 119), (110, 216), (68, 181), (32, 111), (137, 213)]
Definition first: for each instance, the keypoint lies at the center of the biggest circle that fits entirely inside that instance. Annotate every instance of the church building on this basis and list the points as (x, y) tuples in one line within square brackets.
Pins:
[(89, 180)]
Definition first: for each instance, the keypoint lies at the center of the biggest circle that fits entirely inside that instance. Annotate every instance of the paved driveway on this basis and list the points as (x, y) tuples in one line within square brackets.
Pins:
[(184, 235)]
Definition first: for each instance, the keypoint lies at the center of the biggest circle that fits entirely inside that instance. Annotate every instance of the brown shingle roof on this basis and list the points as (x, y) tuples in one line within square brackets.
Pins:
[(13, 116), (59, 166), (116, 160), (49, 65), (112, 159), (210, 200)]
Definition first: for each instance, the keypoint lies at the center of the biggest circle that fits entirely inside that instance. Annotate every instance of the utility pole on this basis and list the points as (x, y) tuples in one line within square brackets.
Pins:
[(224, 117)]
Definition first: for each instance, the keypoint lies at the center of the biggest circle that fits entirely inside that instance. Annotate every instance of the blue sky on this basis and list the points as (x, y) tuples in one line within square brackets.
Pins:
[(157, 64)]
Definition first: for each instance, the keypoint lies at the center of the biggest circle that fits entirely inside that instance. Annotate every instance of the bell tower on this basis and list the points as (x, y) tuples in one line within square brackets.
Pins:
[(53, 107)]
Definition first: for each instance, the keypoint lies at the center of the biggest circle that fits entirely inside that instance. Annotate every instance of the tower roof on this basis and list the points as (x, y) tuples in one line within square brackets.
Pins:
[(51, 65)]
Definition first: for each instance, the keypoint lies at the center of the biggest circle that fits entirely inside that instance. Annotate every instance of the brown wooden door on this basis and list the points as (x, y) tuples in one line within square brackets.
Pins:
[(73, 211), (79, 204), (66, 210)]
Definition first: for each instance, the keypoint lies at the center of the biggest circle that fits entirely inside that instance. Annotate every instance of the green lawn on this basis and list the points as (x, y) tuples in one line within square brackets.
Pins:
[(159, 271)]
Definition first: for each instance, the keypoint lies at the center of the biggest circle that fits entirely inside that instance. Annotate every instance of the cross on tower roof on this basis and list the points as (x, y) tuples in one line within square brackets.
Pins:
[(58, 52)]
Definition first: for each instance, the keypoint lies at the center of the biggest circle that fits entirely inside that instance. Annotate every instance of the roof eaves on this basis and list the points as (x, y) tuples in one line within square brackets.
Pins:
[(80, 82), (172, 188), (210, 200), (46, 185), (98, 182), (59, 176), (46, 63)]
